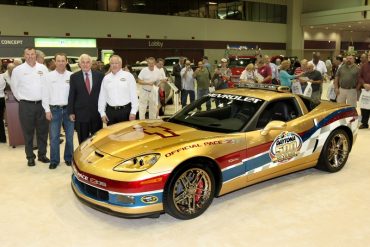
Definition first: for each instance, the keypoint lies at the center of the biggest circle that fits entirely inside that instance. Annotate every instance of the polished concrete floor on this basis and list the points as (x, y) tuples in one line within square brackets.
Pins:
[(307, 208)]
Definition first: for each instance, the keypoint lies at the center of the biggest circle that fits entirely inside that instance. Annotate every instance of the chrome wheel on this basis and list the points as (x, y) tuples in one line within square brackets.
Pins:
[(335, 152), (338, 150), (192, 191)]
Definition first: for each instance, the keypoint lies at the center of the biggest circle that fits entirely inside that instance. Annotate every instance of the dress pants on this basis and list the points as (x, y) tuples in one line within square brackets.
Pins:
[(32, 118), (87, 129), (118, 114), (2, 127), (365, 113)]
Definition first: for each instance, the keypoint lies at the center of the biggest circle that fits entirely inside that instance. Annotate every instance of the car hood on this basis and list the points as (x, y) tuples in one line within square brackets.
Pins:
[(139, 137)]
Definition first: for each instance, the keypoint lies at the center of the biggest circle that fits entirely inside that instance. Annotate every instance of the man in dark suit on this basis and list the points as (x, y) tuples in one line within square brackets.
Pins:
[(83, 99)]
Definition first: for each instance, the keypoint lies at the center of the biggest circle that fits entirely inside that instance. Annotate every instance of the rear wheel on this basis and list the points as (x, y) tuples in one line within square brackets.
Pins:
[(335, 153), (189, 191)]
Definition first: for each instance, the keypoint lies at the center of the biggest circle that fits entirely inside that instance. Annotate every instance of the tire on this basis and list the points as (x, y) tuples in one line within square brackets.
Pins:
[(335, 153), (189, 191)]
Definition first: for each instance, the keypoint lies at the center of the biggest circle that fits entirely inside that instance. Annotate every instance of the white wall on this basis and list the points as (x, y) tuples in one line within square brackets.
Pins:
[(320, 5), (83, 23)]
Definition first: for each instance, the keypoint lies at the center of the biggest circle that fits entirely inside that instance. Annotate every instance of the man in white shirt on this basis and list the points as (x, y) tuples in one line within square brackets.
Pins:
[(26, 84), (118, 98), (187, 84), (54, 101), (319, 64), (149, 78)]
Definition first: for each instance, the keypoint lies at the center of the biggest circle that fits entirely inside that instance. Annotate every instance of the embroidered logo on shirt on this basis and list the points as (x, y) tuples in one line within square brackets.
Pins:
[(122, 79), (40, 72)]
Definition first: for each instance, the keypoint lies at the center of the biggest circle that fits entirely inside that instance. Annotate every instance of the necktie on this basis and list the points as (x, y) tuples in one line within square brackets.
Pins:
[(87, 83)]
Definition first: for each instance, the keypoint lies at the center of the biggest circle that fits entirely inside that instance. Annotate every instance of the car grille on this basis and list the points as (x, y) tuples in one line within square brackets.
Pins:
[(92, 192)]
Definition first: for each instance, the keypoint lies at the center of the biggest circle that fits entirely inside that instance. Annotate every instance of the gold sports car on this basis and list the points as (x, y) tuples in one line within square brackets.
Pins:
[(227, 140)]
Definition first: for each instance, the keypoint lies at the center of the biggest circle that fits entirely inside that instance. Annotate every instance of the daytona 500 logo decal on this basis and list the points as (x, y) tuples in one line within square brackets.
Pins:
[(285, 147)]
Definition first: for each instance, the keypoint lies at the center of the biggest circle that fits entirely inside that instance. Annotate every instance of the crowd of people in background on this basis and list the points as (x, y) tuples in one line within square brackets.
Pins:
[(51, 97)]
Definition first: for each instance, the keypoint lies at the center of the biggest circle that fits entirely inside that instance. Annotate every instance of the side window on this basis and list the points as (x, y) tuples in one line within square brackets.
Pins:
[(281, 110)]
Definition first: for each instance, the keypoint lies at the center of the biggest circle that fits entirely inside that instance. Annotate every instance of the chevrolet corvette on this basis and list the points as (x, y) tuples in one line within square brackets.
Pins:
[(227, 140)]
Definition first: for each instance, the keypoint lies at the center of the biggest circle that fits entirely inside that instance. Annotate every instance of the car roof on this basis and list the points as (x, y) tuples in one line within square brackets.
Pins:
[(260, 93)]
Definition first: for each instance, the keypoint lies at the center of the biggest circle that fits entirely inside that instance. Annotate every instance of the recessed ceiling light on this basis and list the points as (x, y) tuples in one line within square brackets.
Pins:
[(326, 28), (311, 26), (349, 26)]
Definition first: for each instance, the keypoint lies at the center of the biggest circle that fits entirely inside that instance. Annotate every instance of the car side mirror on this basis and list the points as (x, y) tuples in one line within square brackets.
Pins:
[(273, 125)]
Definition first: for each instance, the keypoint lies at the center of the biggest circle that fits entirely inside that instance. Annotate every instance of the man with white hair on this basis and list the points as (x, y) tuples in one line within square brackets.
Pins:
[(118, 99), (83, 99), (315, 78)]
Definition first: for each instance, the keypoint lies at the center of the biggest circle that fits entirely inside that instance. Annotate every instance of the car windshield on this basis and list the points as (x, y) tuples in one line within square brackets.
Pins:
[(217, 112), (241, 62), (171, 62)]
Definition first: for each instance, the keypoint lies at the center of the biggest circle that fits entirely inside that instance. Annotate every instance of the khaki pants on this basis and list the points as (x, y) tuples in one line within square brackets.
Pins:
[(348, 96), (145, 99)]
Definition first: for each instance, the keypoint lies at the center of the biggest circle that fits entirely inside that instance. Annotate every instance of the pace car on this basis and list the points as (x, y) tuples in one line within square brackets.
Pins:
[(227, 140)]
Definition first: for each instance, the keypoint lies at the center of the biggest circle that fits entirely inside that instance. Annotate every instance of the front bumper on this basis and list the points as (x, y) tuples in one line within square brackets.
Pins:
[(116, 204)]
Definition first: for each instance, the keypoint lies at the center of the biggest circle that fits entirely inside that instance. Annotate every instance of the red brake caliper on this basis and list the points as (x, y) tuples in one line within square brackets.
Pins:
[(198, 193)]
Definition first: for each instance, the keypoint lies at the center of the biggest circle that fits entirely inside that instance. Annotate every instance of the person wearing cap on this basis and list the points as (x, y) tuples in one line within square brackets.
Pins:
[(26, 84), (222, 75), (188, 85)]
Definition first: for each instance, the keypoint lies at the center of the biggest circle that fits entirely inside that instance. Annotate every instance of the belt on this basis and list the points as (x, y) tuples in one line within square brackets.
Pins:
[(348, 87), (31, 101), (119, 106), (58, 106)]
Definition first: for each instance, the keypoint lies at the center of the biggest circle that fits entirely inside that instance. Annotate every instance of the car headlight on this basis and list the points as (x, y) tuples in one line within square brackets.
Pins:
[(137, 164)]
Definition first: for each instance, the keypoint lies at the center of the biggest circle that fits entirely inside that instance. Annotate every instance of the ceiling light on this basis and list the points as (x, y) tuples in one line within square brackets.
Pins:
[(349, 26), (211, 3), (311, 26), (326, 28)]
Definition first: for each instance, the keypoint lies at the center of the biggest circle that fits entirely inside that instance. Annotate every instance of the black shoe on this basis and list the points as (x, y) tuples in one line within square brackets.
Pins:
[(363, 126), (61, 141), (35, 148), (53, 166), (43, 159), (31, 162), (68, 163)]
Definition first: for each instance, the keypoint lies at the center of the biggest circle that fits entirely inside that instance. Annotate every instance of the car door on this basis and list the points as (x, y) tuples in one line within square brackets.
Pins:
[(279, 149)]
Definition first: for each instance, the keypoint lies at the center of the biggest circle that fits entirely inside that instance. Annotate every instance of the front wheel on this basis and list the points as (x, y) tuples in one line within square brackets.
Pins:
[(189, 191), (335, 153)]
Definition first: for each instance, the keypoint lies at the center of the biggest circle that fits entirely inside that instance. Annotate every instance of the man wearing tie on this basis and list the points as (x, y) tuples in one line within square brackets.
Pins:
[(83, 99)]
